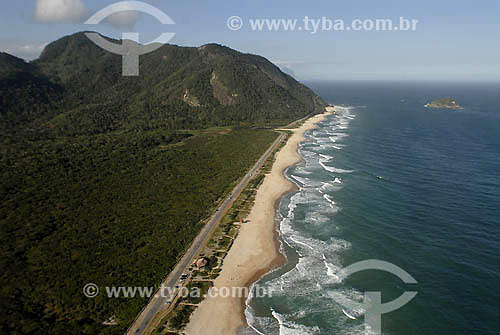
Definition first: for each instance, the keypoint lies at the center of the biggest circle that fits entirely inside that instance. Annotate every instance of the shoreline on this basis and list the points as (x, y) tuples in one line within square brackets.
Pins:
[(256, 250)]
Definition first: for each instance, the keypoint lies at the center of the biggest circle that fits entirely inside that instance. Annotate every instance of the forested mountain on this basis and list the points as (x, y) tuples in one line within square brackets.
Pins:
[(107, 179), (25, 93), (178, 88)]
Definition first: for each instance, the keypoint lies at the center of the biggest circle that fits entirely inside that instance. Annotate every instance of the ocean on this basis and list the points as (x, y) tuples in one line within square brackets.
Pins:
[(387, 179)]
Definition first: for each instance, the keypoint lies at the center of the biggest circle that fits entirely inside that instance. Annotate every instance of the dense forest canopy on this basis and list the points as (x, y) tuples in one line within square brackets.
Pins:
[(76, 88), (107, 179)]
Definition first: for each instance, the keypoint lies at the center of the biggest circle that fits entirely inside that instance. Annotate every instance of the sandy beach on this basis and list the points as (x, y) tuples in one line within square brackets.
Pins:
[(255, 250)]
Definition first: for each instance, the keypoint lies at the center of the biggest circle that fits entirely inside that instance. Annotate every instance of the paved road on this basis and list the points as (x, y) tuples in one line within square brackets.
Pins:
[(157, 302)]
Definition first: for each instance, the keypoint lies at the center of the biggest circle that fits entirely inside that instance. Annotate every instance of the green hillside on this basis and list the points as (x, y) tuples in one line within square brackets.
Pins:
[(106, 179), (179, 88)]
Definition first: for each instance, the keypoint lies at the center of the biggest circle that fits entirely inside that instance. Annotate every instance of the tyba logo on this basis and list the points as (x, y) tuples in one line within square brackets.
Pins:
[(372, 306), (130, 49)]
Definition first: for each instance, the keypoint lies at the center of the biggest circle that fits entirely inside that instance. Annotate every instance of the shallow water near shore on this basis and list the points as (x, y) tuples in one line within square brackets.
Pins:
[(387, 179)]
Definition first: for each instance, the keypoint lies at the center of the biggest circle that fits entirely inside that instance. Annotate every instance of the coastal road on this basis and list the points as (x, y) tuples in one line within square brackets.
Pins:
[(157, 302)]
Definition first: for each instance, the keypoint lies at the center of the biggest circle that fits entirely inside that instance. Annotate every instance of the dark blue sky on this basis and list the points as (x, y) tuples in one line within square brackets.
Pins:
[(454, 40)]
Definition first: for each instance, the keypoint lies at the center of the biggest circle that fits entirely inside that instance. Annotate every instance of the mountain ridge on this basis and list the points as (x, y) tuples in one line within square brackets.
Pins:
[(178, 88)]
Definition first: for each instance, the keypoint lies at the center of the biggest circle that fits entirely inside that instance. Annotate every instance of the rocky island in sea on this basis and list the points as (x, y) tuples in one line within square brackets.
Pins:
[(448, 103)]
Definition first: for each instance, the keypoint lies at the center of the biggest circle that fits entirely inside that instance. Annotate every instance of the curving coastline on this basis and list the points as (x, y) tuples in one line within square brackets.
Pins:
[(256, 249)]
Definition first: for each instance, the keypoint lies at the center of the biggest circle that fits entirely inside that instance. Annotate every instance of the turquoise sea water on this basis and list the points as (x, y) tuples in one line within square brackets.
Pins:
[(389, 179)]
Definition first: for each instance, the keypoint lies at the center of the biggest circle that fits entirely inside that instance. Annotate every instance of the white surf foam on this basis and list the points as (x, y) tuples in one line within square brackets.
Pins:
[(319, 263), (332, 270), (301, 180), (291, 328), (333, 169), (336, 136), (252, 319), (329, 199), (299, 242), (326, 157)]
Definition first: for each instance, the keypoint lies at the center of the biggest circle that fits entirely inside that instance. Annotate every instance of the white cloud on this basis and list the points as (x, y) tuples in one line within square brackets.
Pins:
[(25, 51), (59, 10)]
